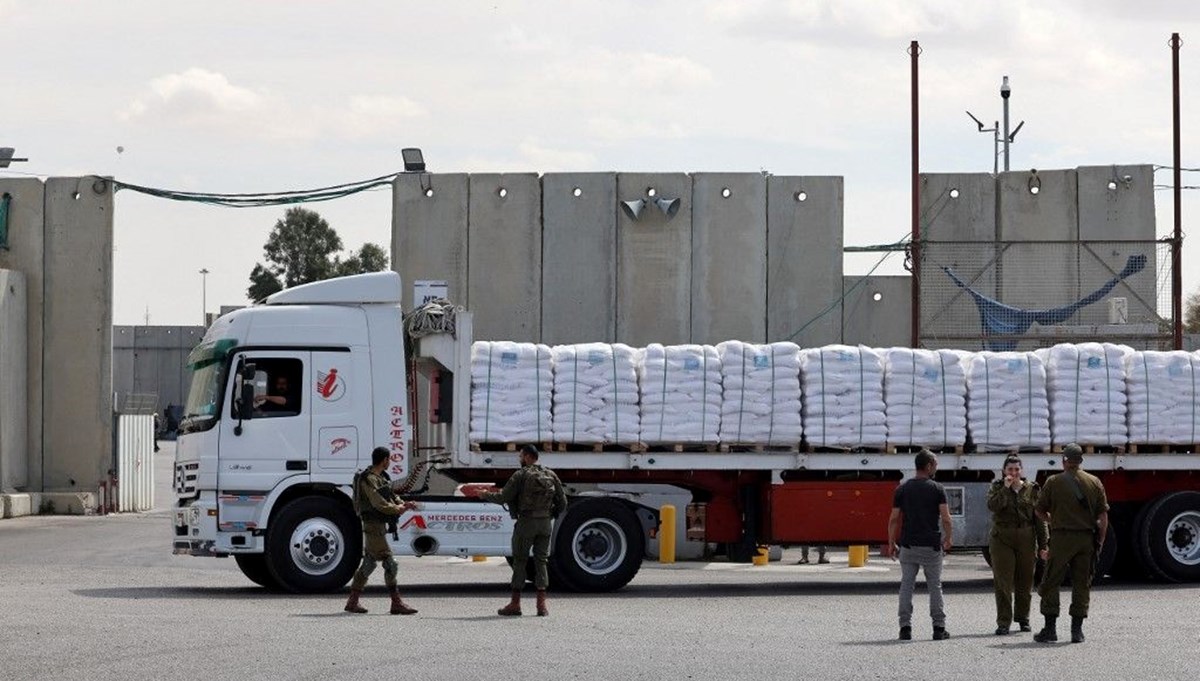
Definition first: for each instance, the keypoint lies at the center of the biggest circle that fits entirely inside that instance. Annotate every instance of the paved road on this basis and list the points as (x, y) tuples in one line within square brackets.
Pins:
[(102, 598)]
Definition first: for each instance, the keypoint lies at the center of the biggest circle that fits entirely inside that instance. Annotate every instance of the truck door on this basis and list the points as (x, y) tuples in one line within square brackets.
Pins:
[(273, 444), (341, 409)]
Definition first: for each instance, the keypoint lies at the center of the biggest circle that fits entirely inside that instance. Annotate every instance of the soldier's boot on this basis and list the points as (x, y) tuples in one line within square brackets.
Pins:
[(1077, 630), (542, 610), (352, 603), (1049, 633), (513, 609), (399, 607), (1024, 624)]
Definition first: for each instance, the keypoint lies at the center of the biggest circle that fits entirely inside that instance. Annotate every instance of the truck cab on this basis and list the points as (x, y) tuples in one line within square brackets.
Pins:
[(287, 400)]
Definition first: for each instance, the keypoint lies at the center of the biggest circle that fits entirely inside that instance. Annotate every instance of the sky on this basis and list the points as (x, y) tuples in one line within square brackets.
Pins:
[(223, 96)]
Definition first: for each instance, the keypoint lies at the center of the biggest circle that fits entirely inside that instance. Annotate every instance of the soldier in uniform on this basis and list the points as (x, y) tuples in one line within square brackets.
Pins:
[(377, 506), (1075, 505), (1016, 530), (534, 496)]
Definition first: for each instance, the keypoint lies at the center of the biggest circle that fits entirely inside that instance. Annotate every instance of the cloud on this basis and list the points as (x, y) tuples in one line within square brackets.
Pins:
[(532, 153), (199, 99)]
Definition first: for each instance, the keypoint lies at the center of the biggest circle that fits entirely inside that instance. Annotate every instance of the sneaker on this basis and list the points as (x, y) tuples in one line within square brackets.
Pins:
[(940, 634), (905, 633)]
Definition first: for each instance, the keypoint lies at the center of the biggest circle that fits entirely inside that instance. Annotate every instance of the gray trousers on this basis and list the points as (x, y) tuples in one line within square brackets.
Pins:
[(912, 560)]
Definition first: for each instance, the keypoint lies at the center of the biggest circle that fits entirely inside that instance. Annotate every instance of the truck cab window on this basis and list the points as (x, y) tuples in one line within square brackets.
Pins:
[(277, 387)]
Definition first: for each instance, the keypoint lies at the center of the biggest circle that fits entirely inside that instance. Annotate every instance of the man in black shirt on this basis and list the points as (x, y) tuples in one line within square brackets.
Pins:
[(914, 537)]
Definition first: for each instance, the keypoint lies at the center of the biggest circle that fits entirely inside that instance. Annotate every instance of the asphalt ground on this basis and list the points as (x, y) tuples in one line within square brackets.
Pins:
[(103, 598)]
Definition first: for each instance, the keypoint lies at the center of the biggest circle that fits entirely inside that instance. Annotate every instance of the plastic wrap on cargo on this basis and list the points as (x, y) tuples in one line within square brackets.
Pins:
[(1007, 405), (926, 396), (1085, 383), (761, 393), (596, 393), (843, 396), (680, 388), (511, 392), (1162, 389)]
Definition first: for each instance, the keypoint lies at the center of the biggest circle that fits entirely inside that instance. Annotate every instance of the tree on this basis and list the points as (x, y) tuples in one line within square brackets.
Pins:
[(301, 248), (1191, 313)]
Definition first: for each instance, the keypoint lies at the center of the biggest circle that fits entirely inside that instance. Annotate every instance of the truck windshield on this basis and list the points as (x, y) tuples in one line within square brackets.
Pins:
[(208, 367)]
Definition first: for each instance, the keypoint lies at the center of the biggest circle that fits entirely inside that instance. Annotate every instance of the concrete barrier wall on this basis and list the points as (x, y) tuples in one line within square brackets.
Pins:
[(14, 398), (729, 257), (77, 371), (429, 231), (804, 259), (877, 311), (1052, 214), (151, 361), (1116, 203), (504, 256), (579, 257), (25, 254)]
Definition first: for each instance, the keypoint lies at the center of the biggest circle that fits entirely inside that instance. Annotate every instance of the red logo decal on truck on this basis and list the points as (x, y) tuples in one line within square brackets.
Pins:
[(338, 444), (330, 386)]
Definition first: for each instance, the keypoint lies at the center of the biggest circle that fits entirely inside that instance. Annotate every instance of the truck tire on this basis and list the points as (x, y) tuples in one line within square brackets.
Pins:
[(313, 545), (598, 546), (254, 566), (1141, 548), (1127, 565), (1171, 537)]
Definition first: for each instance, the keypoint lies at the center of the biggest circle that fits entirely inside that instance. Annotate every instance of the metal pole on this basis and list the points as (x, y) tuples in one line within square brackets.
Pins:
[(996, 148), (914, 50), (1005, 91), (1177, 240), (204, 297)]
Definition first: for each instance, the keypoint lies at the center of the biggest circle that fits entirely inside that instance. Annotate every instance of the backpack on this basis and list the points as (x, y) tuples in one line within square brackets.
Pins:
[(539, 489), (355, 495)]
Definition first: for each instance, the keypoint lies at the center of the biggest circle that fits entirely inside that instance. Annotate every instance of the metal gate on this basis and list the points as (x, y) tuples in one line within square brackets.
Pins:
[(135, 462)]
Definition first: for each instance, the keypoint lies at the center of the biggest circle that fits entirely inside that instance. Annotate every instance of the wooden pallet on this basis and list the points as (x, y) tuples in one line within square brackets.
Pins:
[(1161, 448), (979, 449), (678, 447), (913, 449), (507, 446), (598, 447), (741, 447), (1093, 449), (847, 449)]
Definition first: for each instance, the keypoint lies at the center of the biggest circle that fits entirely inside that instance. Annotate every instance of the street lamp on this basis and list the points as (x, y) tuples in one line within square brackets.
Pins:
[(204, 296), (6, 157)]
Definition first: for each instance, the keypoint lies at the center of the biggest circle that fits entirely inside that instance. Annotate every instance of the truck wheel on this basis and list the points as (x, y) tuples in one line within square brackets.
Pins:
[(1171, 537), (1126, 564), (598, 546), (313, 546), (254, 566)]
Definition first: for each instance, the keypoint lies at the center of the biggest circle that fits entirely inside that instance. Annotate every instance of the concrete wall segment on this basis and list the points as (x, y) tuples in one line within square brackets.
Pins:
[(429, 231), (504, 255), (729, 257), (804, 259), (579, 257), (14, 399), (654, 262)]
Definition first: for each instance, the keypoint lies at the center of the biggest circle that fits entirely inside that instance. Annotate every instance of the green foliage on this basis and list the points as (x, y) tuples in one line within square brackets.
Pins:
[(302, 248), (1191, 313)]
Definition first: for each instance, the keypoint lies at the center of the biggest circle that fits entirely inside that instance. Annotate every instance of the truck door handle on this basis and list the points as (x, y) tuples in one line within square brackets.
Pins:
[(297, 465)]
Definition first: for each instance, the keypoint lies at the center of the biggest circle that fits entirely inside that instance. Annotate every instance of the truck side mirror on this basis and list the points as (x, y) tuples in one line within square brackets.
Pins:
[(245, 399)]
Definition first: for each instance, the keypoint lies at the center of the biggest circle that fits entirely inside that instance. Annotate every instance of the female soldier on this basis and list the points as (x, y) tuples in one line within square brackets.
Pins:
[(1016, 530)]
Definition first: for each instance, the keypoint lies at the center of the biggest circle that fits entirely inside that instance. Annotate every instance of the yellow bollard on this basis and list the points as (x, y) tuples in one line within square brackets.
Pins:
[(478, 559), (761, 556), (858, 556), (666, 534)]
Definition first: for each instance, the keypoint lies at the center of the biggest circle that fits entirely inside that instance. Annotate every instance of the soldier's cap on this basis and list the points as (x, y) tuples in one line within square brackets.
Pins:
[(1073, 453)]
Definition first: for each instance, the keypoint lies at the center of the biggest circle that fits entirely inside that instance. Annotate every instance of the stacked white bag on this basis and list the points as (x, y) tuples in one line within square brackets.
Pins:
[(1086, 386), (681, 394), (511, 387), (1162, 397), (1007, 405), (843, 396), (761, 393), (596, 393), (926, 396)]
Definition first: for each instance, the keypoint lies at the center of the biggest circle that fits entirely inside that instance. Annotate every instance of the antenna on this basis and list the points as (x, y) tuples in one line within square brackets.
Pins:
[(995, 130)]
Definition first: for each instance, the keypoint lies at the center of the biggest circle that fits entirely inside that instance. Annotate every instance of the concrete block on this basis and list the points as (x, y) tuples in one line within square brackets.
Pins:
[(14, 394), (1038, 276), (877, 311), (729, 257), (18, 505), (804, 259), (579, 257), (654, 261), (504, 256), (958, 223), (77, 378), (25, 254), (67, 503), (1116, 221), (429, 231)]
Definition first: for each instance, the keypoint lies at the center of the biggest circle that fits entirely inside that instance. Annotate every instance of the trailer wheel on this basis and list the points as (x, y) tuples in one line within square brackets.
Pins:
[(254, 566), (313, 545), (1170, 537), (598, 546)]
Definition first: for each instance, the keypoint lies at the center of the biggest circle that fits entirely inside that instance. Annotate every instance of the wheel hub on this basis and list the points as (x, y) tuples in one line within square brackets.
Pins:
[(599, 546), (1183, 537), (317, 546)]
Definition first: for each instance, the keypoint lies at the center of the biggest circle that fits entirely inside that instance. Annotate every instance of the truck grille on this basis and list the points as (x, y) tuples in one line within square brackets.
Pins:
[(185, 479)]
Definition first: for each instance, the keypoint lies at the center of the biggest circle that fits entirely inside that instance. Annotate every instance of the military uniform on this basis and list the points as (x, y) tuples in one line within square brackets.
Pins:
[(533, 526), (1016, 531), (376, 507), (1073, 524)]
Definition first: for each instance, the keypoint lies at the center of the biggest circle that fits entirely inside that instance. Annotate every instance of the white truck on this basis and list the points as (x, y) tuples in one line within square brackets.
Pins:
[(288, 398)]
